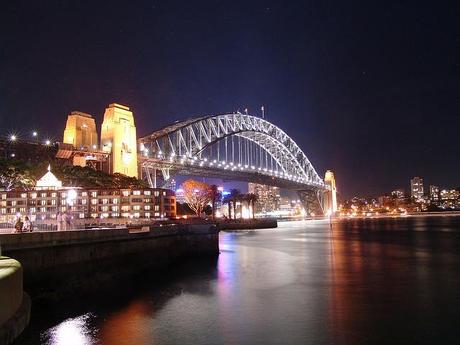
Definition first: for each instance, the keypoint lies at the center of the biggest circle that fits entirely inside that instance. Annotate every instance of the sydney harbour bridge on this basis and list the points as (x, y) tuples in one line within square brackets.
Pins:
[(231, 146)]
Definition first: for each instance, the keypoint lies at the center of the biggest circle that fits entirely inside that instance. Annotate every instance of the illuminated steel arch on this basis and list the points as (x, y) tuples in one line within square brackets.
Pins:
[(245, 147)]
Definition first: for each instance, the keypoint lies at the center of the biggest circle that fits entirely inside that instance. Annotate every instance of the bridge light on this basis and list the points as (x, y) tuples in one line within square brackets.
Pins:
[(223, 162), (205, 159), (246, 166), (253, 167), (239, 165), (214, 161)]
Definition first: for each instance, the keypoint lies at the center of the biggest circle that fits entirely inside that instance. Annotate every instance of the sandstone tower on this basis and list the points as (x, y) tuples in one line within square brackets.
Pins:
[(330, 197), (80, 131), (118, 136)]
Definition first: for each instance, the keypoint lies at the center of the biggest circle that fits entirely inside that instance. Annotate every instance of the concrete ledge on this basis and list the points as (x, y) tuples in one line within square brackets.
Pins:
[(14, 307)]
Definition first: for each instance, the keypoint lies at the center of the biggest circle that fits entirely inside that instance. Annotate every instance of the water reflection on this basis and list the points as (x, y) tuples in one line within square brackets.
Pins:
[(370, 281), (74, 331), (132, 325)]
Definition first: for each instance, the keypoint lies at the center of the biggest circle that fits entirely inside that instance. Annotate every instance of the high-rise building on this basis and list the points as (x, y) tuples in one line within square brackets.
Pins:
[(268, 197), (416, 188), (330, 196), (434, 193), (118, 137)]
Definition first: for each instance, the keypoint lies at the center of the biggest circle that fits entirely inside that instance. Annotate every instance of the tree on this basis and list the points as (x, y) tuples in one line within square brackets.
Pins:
[(252, 199), (15, 174), (197, 195), (215, 195)]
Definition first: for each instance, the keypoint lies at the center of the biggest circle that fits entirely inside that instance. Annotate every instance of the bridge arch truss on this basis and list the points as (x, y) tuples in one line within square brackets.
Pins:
[(230, 145)]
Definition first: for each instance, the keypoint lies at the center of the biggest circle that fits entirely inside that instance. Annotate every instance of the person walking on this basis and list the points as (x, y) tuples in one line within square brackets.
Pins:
[(27, 226), (18, 225)]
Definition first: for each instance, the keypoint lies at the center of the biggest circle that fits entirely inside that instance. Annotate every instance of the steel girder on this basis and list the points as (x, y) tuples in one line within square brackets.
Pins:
[(188, 140)]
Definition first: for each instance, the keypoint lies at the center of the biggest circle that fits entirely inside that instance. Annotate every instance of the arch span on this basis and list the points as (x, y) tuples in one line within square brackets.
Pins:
[(187, 146)]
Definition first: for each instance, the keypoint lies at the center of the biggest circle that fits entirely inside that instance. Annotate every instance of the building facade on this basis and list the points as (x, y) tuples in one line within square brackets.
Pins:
[(45, 204)]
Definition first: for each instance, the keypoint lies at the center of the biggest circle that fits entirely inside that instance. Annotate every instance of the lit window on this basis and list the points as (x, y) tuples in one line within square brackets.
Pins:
[(115, 200), (126, 193), (157, 207), (53, 195), (93, 201), (147, 207), (94, 194), (137, 192), (147, 192), (23, 195), (156, 193), (43, 195)]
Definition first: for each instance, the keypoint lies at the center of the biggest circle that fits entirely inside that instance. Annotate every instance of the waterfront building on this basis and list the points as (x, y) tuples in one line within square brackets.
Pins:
[(416, 188), (330, 196), (118, 137), (268, 197), (49, 197)]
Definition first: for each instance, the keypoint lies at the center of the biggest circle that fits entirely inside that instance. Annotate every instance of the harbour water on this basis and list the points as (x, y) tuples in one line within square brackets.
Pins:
[(365, 281)]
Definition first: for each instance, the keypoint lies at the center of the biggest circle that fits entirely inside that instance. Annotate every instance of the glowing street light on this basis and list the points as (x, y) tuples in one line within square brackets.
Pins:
[(47, 142), (34, 134), (13, 137)]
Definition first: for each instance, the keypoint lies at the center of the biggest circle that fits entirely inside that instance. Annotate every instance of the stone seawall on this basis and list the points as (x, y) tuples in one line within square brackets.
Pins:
[(58, 263)]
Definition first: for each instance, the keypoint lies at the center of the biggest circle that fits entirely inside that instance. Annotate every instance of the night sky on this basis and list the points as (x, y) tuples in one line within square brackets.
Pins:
[(369, 91)]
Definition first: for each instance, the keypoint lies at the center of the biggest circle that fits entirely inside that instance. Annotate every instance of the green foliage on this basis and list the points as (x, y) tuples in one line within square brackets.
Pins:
[(16, 174), (21, 174)]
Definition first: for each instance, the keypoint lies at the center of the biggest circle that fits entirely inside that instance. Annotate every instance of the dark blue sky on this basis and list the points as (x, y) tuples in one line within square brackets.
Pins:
[(368, 90)]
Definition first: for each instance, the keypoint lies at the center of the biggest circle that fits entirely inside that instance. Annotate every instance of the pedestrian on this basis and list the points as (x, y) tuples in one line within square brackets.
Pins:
[(60, 222), (18, 226), (27, 226), (68, 219)]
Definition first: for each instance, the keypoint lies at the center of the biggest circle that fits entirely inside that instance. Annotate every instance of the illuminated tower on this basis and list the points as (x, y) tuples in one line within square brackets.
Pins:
[(80, 131), (330, 197), (118, 136)]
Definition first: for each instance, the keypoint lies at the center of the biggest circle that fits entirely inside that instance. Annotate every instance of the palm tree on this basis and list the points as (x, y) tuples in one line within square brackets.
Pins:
[(215, 195), (252, 199)]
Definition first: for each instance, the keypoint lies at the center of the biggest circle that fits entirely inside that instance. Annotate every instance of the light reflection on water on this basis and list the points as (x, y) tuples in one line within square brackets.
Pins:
[(369, 281), (75, 331)]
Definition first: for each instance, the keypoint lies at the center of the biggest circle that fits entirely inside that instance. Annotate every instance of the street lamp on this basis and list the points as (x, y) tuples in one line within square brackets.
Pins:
[(13, 137), (34, 134), (47, 142)]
